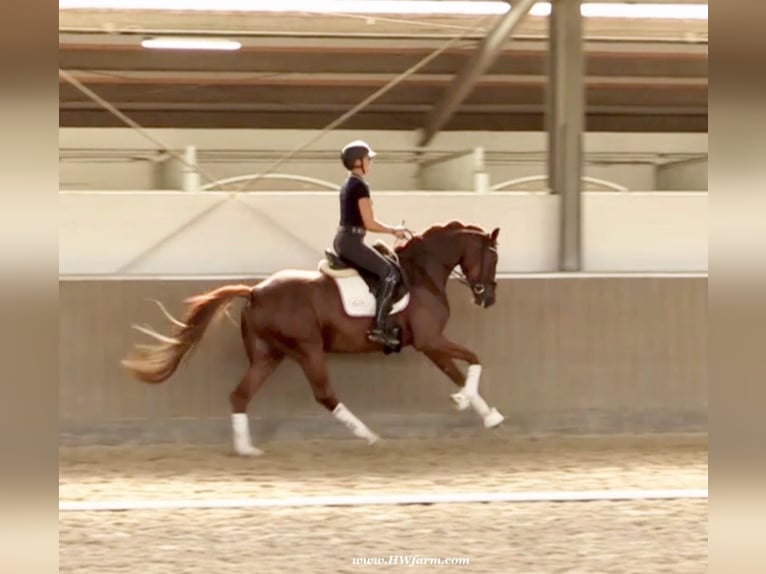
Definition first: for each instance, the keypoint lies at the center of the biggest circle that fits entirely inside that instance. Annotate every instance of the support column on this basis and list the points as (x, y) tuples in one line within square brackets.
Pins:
[(174, 174), (462, 171), (565, 118)]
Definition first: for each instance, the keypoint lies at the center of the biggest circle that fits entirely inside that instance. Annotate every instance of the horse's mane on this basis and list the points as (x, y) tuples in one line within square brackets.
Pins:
[(451, 226), (436, 230)]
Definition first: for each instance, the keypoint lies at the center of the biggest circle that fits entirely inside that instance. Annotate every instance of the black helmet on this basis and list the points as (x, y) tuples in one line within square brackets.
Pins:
[(353, 151)]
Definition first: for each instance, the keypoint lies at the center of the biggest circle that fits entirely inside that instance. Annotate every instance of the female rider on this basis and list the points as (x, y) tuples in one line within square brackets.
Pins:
[(356, 219)]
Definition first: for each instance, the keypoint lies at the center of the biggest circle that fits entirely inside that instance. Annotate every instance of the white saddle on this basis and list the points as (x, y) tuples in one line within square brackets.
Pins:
[(355, 295)]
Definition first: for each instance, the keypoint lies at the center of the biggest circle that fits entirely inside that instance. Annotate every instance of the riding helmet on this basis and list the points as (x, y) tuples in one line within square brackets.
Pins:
[(353, 151)]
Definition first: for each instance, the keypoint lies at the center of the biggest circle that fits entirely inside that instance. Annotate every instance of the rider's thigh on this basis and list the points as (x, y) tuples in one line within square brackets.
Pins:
[(356, 251)]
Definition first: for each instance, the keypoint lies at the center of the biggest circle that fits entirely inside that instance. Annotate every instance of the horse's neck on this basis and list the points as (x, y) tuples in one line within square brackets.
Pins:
[(434, 262)]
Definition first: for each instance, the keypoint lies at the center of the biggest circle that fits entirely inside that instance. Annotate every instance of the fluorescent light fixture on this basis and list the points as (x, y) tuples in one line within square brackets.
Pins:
[(190, 44), (669, 11), (634, 11), (443, 7)]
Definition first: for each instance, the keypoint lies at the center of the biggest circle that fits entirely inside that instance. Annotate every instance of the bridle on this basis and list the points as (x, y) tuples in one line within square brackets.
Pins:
[(477, 287)]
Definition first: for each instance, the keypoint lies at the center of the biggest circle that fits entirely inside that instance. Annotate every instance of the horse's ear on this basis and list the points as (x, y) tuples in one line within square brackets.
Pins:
[(494, 234)]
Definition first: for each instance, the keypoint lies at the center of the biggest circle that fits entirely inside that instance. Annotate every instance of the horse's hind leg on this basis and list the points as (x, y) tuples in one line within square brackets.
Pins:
[(312, 361), (263, 361)]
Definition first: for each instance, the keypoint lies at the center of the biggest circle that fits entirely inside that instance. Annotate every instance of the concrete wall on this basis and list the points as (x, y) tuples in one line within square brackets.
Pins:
[(160, 233), (625, 158), (578, 355)]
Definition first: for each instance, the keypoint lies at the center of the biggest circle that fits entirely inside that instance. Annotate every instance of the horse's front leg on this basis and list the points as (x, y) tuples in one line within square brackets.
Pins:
[(443, 355)]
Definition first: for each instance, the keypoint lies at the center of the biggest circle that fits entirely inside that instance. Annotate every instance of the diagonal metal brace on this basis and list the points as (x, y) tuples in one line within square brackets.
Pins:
[(126, 267), (265, 218), (481, 60)]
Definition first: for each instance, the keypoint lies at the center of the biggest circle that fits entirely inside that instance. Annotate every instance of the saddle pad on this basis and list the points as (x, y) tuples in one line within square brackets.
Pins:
[(357, 299)]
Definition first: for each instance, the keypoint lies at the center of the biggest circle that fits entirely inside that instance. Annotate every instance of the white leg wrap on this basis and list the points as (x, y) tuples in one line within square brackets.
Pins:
[(462, 399), (241, 429), (471, 386), (491, 416), (469, 396), (479, 405), (354, 424)]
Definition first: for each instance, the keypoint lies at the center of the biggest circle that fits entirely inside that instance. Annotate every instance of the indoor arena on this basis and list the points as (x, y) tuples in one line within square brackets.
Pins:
[(534, 177)]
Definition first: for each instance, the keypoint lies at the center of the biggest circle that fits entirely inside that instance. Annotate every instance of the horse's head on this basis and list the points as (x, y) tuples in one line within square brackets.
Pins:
[(468, 247), (478, 263)]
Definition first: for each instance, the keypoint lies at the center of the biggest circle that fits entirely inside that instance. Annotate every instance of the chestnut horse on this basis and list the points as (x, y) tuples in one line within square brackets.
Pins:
[(300, 315)]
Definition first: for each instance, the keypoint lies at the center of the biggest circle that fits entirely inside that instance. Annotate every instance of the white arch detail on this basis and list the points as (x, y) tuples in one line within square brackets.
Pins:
[(280, 176), (519, 180)]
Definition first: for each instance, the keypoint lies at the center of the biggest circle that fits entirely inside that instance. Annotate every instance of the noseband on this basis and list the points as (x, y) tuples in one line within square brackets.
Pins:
[(478, 287)]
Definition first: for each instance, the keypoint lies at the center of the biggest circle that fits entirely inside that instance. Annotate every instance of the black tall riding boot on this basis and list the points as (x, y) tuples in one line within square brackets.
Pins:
[(380, 333)]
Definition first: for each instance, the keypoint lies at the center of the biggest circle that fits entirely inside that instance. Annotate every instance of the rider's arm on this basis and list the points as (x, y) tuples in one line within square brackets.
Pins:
[(370, 223)]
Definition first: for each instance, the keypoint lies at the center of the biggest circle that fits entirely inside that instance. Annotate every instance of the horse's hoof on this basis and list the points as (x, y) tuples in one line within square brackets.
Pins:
[(371, 440), (493, 419), (249, 451), (461, 401)]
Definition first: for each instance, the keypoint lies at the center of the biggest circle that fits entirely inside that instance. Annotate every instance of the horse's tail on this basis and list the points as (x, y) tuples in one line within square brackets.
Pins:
[(156, 363)]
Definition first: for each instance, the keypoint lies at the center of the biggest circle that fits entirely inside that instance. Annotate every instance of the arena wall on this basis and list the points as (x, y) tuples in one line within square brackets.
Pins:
[(570, 354), (201, 234)]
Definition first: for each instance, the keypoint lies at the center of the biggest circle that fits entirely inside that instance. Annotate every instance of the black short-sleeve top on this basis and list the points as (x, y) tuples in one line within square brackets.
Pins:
[(351, 192)]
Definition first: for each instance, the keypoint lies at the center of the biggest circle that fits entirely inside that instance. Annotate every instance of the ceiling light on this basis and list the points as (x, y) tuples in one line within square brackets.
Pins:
[(478, 7), (190, 44), (668, 11), (443, 7), (633, 10)]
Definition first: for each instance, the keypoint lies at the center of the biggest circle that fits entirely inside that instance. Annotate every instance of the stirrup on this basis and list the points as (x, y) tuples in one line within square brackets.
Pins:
[(384, 337)]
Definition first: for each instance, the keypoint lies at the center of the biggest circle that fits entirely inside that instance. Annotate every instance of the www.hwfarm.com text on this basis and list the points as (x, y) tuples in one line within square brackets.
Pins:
[(410, 560)]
